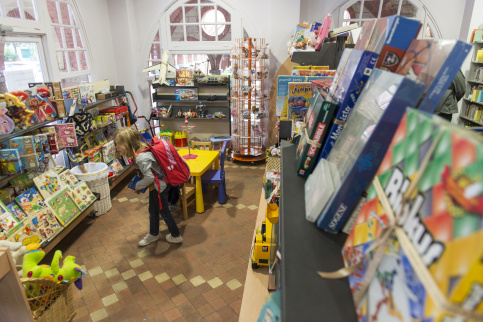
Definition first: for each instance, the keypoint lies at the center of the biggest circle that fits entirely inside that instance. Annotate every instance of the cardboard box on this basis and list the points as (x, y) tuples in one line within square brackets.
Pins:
[(66, 135), (104, 96), (57, 91)]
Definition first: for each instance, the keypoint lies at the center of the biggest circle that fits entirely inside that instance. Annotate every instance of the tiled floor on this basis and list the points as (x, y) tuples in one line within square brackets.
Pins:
[(199, 280)]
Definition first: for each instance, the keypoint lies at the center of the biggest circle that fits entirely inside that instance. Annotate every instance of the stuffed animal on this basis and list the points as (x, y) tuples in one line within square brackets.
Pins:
[(16, 249), (69, 273)]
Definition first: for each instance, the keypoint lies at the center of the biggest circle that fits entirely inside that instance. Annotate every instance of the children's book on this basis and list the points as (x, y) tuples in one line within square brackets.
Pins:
[(48, 183), (299, 95), (16, 212), (82, 195), (8, 223), (132, 184), (10, 162), (30, 201), (68, 179), (319, 116), (434, 62), (45, 223), (363, 142), (63, 206)]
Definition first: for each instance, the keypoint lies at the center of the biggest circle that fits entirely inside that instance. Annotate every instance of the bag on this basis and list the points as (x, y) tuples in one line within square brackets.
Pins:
[(175, 169), (82, 122)]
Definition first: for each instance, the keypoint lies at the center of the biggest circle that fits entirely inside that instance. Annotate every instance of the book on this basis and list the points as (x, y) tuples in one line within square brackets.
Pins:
[(442, 222), (319, 116), (16, 212), (298, 100), (30, 201), (345, 91), (64, 207), (48, 183), (132, 184), (82, 195), (435, 63), (363, 142)]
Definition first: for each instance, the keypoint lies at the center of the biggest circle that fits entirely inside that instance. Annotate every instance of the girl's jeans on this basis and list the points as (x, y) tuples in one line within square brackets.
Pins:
[(154, 212)]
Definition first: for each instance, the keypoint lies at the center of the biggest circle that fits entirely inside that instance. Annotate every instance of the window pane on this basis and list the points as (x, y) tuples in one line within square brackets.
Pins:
[(28, 9), (192, 33), (226, 15), (64, 12), (177, 33), (20, 64), (192, 1), (78, 38), (371, 9), (155, 52), (73, 61), (225, 33), (207, 14), (156, 38), (389, 8), (74, 81), (429, 32), (191, 14), (354, 10), (58, 37), (69, 37), (52, 8), (11, 8), (208, 32), (408, 9), (176, 16), (206, 1), (82, 60), (61, 61)]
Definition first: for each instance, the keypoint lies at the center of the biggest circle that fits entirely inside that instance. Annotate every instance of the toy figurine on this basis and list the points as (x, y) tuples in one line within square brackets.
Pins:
[(193, 113), (179, 114), (212, 98)]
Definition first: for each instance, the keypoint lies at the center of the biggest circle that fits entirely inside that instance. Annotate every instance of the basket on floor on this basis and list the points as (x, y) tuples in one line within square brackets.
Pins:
[(97, 181), (49, 301)]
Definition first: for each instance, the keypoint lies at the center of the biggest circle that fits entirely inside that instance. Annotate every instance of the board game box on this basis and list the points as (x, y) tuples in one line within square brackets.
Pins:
[(299, 95), (186, 94)]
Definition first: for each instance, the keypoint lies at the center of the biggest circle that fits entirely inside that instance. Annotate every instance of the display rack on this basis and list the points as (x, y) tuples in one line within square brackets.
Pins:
[(306, 250), (249, 99), (466, 115)]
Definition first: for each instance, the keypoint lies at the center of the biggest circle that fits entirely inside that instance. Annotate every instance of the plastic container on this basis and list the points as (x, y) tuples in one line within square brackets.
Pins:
[(97, 181)]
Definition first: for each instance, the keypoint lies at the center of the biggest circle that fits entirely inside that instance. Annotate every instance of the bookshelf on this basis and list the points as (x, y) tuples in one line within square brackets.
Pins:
[(469, 114)]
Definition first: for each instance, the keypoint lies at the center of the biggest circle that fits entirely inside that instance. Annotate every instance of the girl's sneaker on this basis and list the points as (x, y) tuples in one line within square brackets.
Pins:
[(174, 240), (148, 239)]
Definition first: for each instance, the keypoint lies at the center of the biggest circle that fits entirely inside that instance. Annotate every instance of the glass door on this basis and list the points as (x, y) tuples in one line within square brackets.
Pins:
[(22, 61)]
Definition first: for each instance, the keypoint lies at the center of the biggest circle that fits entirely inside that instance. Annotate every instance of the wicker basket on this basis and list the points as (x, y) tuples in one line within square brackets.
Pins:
[(101, 186), (55, 304)]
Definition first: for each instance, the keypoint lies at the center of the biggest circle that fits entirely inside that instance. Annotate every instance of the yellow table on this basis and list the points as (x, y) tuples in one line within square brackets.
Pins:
[(199, 166)]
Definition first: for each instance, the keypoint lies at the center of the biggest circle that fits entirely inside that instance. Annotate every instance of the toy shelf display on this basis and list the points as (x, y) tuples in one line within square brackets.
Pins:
[(249, 99)]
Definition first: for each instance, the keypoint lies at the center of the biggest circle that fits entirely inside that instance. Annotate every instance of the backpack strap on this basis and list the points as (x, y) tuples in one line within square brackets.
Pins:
[(156, 179)]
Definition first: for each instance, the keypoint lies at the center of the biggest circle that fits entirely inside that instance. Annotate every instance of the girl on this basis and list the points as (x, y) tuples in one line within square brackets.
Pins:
[(129, 144)]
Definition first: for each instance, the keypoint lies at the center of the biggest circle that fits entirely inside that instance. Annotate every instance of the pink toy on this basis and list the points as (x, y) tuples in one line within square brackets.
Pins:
[(6, 123), (189, 155), (323, 32)]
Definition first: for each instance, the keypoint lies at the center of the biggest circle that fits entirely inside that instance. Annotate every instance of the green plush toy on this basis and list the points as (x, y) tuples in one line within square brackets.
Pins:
[(70, 272)]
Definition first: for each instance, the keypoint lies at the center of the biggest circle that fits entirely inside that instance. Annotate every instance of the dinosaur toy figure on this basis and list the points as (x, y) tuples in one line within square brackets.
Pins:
[(69, 273)]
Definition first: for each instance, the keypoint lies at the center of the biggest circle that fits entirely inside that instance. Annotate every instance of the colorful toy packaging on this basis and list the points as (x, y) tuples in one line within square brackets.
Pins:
[(299, 95), (16, 212), (82, 196), (425, 209), (68, 179), (45, 223), (10, 162), (30, 201), (64, 207), (8, 223), (66, 135), (48, 183), (26, 149)]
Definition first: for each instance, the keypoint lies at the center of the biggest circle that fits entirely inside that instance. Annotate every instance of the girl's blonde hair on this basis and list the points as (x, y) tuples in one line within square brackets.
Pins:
[(131, 141)]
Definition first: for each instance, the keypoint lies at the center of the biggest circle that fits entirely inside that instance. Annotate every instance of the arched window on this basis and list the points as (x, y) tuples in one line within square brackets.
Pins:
[(70, 47), (25, 9), (360, 11)]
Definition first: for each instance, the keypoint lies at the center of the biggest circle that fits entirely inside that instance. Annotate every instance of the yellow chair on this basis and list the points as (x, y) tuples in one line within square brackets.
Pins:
[(199, 145), (188, 190)]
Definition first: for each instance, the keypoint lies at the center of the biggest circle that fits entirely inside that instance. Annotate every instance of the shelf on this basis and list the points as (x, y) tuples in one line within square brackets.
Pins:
[(471, 121), (471, 102), (478, 42), (306, 250), (475, 82), (192, 101), (50, 244), (114, 181), (37, 126), (99, 102), (477, 62), (196, 86), (194, 119)]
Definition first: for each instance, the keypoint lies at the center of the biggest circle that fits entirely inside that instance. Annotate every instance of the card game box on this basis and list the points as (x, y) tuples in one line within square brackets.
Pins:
[(435, 252)]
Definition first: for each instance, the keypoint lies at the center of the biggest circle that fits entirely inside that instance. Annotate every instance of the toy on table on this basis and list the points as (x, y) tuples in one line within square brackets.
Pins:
[(70, 272), (263, 237), (186, 130)]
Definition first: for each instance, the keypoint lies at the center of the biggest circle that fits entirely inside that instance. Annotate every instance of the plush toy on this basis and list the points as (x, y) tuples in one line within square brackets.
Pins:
[(16, 249), (69, 273)]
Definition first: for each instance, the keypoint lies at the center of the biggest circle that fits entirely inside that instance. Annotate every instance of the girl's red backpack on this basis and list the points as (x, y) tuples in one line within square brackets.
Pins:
[(176, 170)]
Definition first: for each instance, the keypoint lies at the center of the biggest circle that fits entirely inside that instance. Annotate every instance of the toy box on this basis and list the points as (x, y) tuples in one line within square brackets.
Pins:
[(104, 96), (186, 94), (10, 162), (44, 140), (30, 201), (108, 152), (299, 95), (389, 37), (166, 135), (115, 110), (26, 150), (94, 154), (63, 206), (346, 90), (87, 94), (436, 248), (66, 135), (364, 140), (53, 139), (16, 212), (82, 195), (48, 183), (184, 77), (434, 62), (39, 149), (323, 83), (282, 90), (319, 116)]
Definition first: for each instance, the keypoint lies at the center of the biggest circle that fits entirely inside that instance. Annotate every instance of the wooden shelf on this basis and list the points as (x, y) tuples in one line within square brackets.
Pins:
[(37, 126), (471, 102), (471, 121)]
